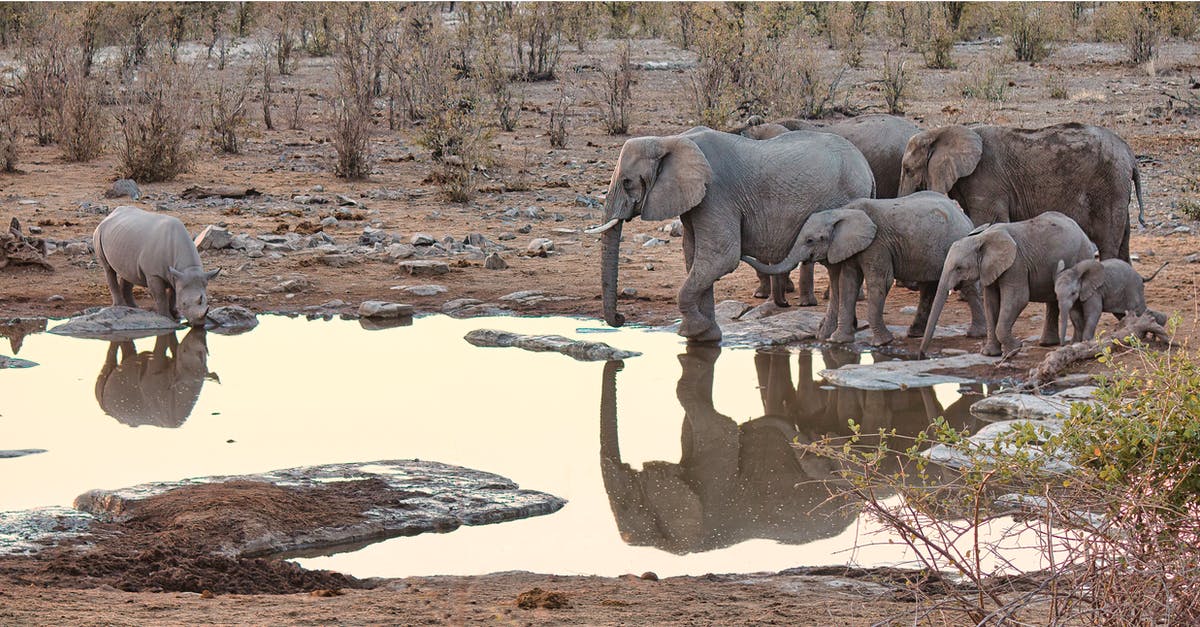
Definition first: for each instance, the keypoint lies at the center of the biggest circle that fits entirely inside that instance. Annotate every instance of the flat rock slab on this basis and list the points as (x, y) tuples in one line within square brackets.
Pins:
[(20, 452), (29, 531), (583, 351), (977, 456), (424, 267), (384, 309), (14, 362), (904, 374), (1032, 406), (117, 324), (413, 497), (231, 320), (788, 327)]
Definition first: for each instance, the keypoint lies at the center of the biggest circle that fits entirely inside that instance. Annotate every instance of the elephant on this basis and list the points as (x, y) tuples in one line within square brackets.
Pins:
[(1015, 262), (1092, 287), (1001, 174), (154, 388), (881, 240), (736, 482), (734, 196)]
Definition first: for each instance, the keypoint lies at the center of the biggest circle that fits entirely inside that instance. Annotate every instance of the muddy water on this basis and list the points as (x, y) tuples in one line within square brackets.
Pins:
[(677, 461)]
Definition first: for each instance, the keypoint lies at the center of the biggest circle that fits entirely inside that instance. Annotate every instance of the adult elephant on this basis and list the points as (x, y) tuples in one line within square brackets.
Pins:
[(880, 137), (735, 196), (1001, 174)]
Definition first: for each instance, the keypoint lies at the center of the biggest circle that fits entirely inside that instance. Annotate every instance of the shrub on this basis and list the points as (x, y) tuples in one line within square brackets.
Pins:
[(154, 121), (460, 145), (350, 118), (420, 64), (846, 29), (896, 82), (1056, 88), (9, 136), (936, 37), (614, 98), (988, 82), (43, 56), (536, 29), (1031, 27), (507, 98), (226, 112), (807, 87), (558, 132), (81, 128)]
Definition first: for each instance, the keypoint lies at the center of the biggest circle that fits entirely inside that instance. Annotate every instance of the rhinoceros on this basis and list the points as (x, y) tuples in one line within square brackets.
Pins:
[(136, 247)]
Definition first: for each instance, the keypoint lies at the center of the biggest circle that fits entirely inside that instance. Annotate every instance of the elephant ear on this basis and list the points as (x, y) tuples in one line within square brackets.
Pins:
[(852, 233), (1090, 280), (997, 253), (681, 181), (954, 154)]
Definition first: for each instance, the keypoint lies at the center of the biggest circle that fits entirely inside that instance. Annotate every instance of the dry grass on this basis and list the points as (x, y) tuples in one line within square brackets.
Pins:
[(154, 122)]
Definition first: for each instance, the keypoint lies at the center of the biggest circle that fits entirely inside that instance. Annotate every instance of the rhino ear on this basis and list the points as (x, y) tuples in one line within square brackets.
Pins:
[(997, 254), (852, 233), (208, 276), (681, 182)]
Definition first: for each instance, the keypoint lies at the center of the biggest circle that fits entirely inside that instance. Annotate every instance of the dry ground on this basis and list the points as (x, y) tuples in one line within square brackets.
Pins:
[(1101, 89)]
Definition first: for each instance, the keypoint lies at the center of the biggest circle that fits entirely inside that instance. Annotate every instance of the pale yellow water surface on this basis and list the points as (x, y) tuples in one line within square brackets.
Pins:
[(661, 487)]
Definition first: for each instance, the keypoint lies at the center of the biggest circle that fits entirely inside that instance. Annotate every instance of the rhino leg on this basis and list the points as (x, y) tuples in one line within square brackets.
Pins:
[(127, 293), (114, 285), (162, 301)]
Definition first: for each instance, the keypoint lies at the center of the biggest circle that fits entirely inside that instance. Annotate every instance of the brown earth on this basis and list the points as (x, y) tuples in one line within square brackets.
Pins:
[(1101, 90)]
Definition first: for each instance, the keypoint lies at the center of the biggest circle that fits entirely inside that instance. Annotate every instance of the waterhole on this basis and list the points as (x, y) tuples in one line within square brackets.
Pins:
[(679, 461)]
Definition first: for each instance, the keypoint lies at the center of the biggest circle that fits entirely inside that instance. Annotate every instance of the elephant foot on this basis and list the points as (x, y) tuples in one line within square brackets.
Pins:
[(705, 331), (782, 303), (1011, 347), (761, 293), (976, 331), (915, 331), (841, 337), (991, 349), (807, 300), (1049, 341), (789, 286), (882, 339), (827, 329)]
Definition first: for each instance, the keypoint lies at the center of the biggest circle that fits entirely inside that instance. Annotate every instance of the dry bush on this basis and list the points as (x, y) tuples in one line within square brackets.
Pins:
[(226, 111), (1138, 25), (536, 29), (614, 97), (507, 98), (295, 119), (987, 81), (460, 145), (896, 82), (846, 29), (43, 57), (559, 112), (350, 112), (936, 36), (154, 120), (1056, 88), (81, 123), (1032, 28), (10, 133), (266, 52), (420, 61), (805, 86), (718, 37)]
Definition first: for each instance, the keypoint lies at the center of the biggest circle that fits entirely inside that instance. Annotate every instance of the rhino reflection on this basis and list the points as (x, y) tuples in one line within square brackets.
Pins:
[(154, 388), (739, 482)]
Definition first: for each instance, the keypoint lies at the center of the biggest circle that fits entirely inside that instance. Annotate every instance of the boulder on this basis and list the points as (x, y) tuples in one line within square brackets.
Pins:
[(29, 531), (424, 267), (117, 324), (904, 374), (213, 237), (495, 262), (580, 350), (231, 320), (1032, 406), (383, 309), (122, 188)]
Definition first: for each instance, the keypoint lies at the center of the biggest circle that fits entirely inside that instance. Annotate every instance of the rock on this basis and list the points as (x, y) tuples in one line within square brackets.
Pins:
[(29, 531), (730, 310), (122, 188), (984, 440), (459, 303), (904, 374), (539, 247), (339, 261), (318, 188), (506, 236), (395, 252), (293, 285), (402, 497), (425, 290), (56, 298), (21, 452), (1182, 229), (230, 320), (371, 236), (117, 324), (495, 262), (525, 229), (14, 362), (787, 326), (247, 243), (383, 309), (523, 295), (213, 237), (582, 351), (1192, 258), (75, 249), (424, 267), (587, 201), (654, 241), (629, 292), (909, 310), (329, 222), (422, 239), (674, 229), (1032, 406)]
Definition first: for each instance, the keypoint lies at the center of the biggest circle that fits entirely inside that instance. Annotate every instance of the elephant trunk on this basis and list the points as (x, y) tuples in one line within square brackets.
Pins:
[(795, 256), (608, 275), (1064, 316), (908, 185), (935, 312)]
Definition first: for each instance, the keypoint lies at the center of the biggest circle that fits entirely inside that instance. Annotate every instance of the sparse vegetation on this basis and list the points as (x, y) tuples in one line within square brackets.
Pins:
[(460, 146), (987, 81), (10, 131), (81, 124), (896, 82), (226, 112), (558, 132), (154, 120), (1032, 28), (615, 95)]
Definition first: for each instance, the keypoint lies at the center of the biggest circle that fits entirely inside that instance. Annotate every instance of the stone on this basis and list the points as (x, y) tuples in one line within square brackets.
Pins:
[(293, 285), (405, 497), (985, 439), (787, 326), (495, 262), (230, 320), (20, 452), (674, 229), (371, 236), (425, 290), (451, 306), (117, 324), (29, 531), (339, 261), (396, 252), (425, 267), (654, 241), (14, 362), (580, 350), (422, 239), (122, 188), (905, 374), (213, 237), (383, 309), (629, 292), (506, 236), (75, 249), (522, 295), (1192, 258), (247, 243), (587, 201), (730, 310), (525, 229), (539, 247), (329, 222), (1032, 406)]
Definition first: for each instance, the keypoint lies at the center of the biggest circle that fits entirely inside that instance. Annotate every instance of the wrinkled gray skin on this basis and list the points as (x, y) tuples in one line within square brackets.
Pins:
[(154, 388), (881, 138), (1001, 174), (1091, 287), (735, 196), (1015, 263), (154, 251), (881, 241)]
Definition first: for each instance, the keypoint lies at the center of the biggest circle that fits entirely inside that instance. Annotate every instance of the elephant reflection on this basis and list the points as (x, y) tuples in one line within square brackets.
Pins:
[(154, 388), (738, 482)]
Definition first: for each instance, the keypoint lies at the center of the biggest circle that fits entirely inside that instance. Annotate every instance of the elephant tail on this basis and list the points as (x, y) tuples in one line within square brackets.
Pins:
[(1137, 187), (1151, 277)]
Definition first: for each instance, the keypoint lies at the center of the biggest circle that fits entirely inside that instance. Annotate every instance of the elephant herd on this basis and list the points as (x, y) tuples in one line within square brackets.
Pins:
[(1005, 215)]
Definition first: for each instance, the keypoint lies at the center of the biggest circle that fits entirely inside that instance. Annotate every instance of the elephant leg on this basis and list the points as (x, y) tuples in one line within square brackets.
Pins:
[(778, 289), (991, 307), (764, 285), (970, 293), (807, 297), (876, 288), (163, 303), (1013, 298), (849, 280), (696, 295), (1077, 323), (1091, 317), (927, 291), (830, 323), (1050, 326)]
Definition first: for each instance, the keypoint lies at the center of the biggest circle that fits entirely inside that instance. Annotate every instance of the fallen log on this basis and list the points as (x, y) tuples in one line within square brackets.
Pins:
[(222, 191), (1131, 326), (15, 247)]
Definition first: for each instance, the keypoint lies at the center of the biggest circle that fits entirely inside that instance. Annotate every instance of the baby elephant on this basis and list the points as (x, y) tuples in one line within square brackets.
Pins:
[(139, 248), (1092, 287), (881, 241)]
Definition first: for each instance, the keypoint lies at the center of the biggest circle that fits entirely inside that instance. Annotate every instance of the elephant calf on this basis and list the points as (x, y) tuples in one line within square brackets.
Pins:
[(879, 241), (1015, 262), (1091, 287)]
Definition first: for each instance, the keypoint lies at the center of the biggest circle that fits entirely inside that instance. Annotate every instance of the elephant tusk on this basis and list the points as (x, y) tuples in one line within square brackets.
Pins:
[(603, 227)]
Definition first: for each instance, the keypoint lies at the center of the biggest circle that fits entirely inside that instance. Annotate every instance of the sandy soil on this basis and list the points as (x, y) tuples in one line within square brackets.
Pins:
[(399, 199)]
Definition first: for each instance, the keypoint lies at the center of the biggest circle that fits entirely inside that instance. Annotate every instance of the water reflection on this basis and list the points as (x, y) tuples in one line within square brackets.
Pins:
[(738, 482), (16, 330), (153, 387)]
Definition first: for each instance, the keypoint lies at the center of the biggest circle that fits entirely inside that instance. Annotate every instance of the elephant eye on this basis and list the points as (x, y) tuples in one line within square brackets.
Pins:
[(627, 184), (808, 240)]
